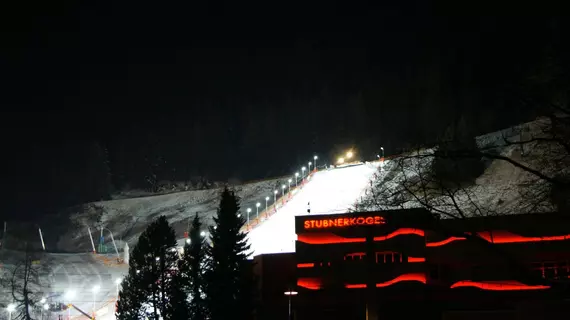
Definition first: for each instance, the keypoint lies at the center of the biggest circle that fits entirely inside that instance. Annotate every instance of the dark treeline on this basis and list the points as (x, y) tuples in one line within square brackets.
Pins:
[(242, 114)]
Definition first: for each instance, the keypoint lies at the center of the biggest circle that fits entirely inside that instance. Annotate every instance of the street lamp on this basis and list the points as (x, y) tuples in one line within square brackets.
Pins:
[(188, 240), (315, 158), (248, 211), (289, 188), (340, 160), (274, 196), (283, 190), (382, 148), (95, 290), (118, 282), (257, 209), (10, 308), (266, 199), (303, 171), (349, 154), (310, 163), (289, 294), (296, 176)]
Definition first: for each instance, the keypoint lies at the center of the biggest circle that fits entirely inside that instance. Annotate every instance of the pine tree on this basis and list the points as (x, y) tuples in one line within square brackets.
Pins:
[(192, 267), (150, 289), (230, 274)]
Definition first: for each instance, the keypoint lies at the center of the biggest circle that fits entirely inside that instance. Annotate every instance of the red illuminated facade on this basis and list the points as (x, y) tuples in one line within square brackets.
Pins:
[(398, 263)]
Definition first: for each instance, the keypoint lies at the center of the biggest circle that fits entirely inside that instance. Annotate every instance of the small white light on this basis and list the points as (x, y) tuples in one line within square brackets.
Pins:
[(310, 163), (11, 307), (188, 241), (266, 198), (248, 210), (118, 280), (203, 233), (290, 180), (157, 258), (138, 271), (70, 294), (303, 168), (257, 204), (43, 300), (46, 306), (96, 288), (291, 293), (239, 215), (349, 154), (275, 191), (296, 174), (315, 157), (173, 249), (283, 187), (216, 227)]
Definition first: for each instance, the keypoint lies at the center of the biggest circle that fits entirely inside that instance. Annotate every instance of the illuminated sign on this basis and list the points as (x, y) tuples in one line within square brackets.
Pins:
[(343, 222)]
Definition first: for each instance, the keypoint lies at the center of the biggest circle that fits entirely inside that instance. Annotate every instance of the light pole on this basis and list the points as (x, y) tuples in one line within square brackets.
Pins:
[(257, 209), (275, 196), (289, 188), (69, 295), (248, 211), (303, 172), (283, 190), (289, 294), (95, 290), (10, 308), (310, 163), (118, 282), (296, 176), (382, 148), (315, 158), (266, 199)]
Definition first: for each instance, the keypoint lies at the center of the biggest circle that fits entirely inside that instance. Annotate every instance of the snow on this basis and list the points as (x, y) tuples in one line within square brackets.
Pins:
[(327, 192)]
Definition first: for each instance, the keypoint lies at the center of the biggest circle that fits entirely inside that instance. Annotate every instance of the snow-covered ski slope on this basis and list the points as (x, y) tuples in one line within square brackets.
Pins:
[(325, 192)]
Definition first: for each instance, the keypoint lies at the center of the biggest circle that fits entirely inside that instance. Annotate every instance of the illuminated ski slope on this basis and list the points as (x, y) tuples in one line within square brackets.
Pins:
[(328, 191)]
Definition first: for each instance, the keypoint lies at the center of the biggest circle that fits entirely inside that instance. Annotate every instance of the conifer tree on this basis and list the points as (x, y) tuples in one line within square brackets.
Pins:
[(192, 267), (229, 275), (150, 289)]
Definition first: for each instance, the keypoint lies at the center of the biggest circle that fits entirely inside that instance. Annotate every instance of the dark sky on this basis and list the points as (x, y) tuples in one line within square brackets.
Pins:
[(243, 91)]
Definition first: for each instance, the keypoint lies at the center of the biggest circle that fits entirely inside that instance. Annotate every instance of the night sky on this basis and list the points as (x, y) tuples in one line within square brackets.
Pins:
[(230, 91)]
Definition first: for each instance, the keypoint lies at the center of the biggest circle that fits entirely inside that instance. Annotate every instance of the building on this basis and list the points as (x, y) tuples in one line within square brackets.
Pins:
[(406, 263)]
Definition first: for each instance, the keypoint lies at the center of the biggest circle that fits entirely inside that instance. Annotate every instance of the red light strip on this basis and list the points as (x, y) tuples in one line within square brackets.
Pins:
[(501, 236), (498, 285), (330, 238), (305, 265), (420, 277), (309, 283), (443, 242), (326, 238), (399, 232), (416, 259)]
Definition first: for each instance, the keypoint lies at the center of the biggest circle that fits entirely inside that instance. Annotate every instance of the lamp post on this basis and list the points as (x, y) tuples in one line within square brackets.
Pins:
[(296, 176), (283, 190), (10, 308), (289, 294), (289, 187), (257, 209), (275, 196), (94, 290), (310, 163), (248, 211), (315, 159), (303, 172), (382, 148), (266, 199), (118, 282)]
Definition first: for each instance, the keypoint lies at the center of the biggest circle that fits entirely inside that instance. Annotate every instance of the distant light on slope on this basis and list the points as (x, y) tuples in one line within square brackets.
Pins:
[(340, 160)]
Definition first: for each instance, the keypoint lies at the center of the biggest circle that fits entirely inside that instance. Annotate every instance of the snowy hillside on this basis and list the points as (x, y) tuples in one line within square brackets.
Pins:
[(127, 218), (501, 189)]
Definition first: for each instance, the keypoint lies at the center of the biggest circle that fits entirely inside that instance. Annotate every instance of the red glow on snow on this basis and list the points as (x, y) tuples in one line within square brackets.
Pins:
[(506, 285), (399, 232), (305, 265), (309, 283), (326, 238), (416, 259)]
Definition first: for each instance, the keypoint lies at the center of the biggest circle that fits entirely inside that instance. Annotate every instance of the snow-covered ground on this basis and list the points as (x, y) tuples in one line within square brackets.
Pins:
[(326, 192)]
